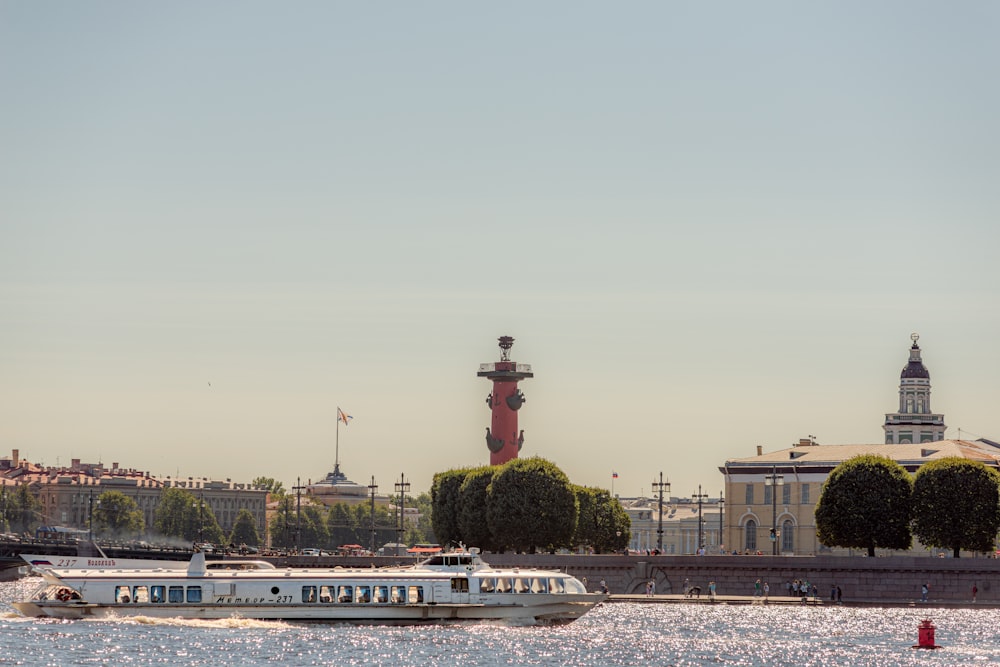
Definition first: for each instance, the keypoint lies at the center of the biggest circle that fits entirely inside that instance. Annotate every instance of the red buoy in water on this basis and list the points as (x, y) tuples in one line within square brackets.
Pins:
[(925, 635)]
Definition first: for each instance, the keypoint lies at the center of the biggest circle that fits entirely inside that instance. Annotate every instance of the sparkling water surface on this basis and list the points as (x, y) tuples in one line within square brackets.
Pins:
[(612, 634)]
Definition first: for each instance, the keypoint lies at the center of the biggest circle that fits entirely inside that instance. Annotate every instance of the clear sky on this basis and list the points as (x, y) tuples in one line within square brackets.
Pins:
[(708, 225)]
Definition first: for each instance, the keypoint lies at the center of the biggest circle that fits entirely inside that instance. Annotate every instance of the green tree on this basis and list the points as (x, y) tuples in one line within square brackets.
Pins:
[(473, 523), (445, 491), (23, 510), (282, 526), (423, 531), (602, 522), (531, 504), (245, 529), (274, 487), (116, 515), (866, 503), (314, 531), (385, 525), (341, 525), (181, 514), (956, 505)]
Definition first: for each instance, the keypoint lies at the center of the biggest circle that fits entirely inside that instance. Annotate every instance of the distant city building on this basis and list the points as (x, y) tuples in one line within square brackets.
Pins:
[(336, 488), (914, 422), (68, 494), (680, 525), (754, 508)]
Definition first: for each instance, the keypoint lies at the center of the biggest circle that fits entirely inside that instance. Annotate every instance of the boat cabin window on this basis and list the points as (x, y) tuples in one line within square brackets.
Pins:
[(175, 594), (539, 586), (140, 594), (381, 594), (459, 585), (397, 594), (415, 595), (521, 586), (194, 594), (450, 560), (308, 593), (503, 585), (363, 594), (123, 594), (326, 593), (157, 593), (487, 585), (345, 593), (556, 585)]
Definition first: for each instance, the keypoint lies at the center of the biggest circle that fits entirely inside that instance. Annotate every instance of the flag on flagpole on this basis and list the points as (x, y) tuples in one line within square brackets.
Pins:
[(614, 475), (343, 416)]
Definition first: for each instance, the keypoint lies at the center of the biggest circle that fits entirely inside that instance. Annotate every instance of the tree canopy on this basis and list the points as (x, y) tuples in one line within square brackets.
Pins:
[(273, 486), (21, 511), (866, 503), (116, 515), (531, 505), (956, 505), (245, 529), (473, 522), (603, 523), (445, 499), (182, 514)]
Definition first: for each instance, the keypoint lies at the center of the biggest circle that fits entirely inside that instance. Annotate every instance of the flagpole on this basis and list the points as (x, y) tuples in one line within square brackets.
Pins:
[(336, 460)]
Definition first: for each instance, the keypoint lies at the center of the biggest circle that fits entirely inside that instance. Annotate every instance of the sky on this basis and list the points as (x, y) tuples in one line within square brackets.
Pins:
[(709, 226)]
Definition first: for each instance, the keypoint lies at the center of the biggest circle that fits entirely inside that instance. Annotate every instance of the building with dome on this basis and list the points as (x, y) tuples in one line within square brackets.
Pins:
[(914, 422), (770, 498)]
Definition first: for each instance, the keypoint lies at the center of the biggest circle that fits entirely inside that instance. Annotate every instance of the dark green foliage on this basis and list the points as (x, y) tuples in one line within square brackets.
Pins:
[(245, 530), (957, 505), (473, 523), (341, 526), (274, 487), (531, 504), (445, 498), (603, 523), (21, 510), (181, 514), (116, 515), (866, 503)]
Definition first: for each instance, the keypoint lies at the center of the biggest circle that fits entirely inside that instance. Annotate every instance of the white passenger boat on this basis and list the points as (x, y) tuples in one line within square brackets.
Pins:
[(447, 587), (103, 562)]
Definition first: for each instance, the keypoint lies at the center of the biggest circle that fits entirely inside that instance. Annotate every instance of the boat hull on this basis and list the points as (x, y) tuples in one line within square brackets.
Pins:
[(562, 611)]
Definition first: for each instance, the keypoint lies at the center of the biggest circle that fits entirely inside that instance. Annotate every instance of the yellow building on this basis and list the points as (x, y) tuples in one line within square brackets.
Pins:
[(753, 510)]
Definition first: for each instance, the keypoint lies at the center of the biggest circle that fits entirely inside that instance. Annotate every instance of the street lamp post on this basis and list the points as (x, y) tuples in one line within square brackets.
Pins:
[(373, 488), (699, 497), (298, 512), (661, 486), (402, 486), (774, 481), (90, 520), (722, 502)]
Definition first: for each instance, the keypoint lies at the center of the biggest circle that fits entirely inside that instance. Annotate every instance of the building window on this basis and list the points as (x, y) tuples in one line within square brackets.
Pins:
[(750, 536), (805, 494), (767, 494), (787, 537), (786, 494), (749, 494)]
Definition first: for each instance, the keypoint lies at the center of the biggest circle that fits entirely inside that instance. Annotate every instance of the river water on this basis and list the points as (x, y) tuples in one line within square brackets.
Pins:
[(612, 634)]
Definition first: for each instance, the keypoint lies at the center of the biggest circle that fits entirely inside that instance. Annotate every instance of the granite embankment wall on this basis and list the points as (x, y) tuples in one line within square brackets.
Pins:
[(894, 578)]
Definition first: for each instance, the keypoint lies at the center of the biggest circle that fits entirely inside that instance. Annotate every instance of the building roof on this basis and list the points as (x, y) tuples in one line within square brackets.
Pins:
[(832, 455), (915, 367)]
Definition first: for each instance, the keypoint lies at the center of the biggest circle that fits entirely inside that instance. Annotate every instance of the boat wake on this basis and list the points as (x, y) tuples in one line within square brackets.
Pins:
[(233, 622)]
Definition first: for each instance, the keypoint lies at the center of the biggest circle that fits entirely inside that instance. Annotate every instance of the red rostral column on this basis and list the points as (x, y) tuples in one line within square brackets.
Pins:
[(503, 439)]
